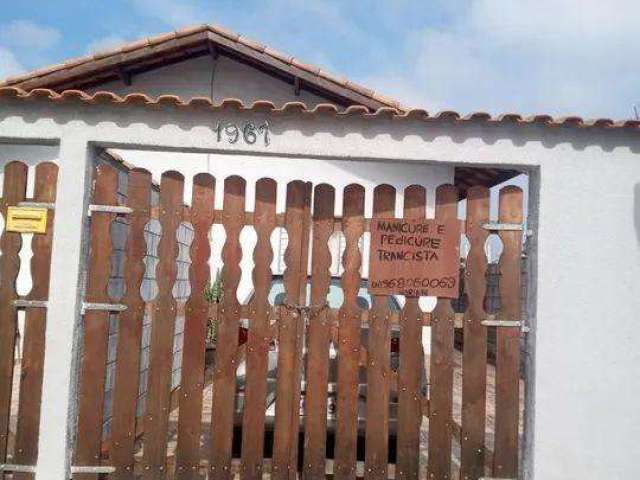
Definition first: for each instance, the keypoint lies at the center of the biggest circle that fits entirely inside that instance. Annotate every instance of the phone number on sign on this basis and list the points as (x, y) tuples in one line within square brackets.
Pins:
[(417, 285)]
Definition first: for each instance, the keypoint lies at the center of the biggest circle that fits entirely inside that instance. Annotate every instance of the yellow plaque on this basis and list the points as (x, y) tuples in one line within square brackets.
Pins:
[(26, 220)]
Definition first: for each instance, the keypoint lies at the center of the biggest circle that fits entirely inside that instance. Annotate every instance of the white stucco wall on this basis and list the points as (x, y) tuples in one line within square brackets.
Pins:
[(584, 211)]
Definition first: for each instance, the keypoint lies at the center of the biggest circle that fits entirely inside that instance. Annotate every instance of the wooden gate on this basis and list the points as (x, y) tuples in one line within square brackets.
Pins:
[(22, 355), (329, 390)]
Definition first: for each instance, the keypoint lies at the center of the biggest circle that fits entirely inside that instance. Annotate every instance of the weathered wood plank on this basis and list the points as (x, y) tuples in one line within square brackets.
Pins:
[(259, 333), (125, 389), (14, 191), (318, 338), (411, 363), (349, 344), (379, 362), (441, 394), (290, 335), (156, 419), (96, 325), (474, 355), (26, 448), (224, 383), (508, 339), (195, 331)]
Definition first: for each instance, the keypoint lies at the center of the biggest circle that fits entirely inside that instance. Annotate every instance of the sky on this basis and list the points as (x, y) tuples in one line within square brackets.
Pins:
[(560, 57)]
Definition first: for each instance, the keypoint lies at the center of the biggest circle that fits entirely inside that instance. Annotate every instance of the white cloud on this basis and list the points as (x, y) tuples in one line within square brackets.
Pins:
[(26, 34), (9, 64), (552, 56), (172, 12), (106, 43)]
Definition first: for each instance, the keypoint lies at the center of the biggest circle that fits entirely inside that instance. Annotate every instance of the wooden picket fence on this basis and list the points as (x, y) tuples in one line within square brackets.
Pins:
[(171, 439), (19, 438)]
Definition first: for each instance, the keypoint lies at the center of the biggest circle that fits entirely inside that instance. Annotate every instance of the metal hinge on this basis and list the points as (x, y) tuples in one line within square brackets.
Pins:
[(109, 209), (31, 303), (506, 323), (90, 469), (103, 307), (9, 467)]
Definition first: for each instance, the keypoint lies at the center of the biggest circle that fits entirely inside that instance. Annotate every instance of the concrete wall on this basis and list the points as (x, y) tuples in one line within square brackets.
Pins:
[(585, 253)]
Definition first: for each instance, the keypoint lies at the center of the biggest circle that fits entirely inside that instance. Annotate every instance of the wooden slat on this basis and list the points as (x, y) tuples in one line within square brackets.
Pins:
[(125, 389), (474, 355), (26, 449), (411, 363), (508, 339), (224, 383), (259, 333), (379, 362), (96, 325), (195, 331), (318, 338), (14, 190), (349, 336), (156, 417), (290, 335), (441, 394)]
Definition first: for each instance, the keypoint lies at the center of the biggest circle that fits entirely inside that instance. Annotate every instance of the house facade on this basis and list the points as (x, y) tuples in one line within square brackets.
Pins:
[(208, 100)]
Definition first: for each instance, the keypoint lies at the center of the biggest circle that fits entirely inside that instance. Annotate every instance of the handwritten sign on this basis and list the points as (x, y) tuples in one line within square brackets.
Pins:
[(26, 220), (414, 257)]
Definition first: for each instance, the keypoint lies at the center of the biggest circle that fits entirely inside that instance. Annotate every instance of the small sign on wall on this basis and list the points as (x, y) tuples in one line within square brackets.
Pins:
[(414, 257), (26, 220)]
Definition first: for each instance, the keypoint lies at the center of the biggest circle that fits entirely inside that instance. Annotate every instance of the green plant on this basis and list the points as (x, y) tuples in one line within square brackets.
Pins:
[(213, 294)]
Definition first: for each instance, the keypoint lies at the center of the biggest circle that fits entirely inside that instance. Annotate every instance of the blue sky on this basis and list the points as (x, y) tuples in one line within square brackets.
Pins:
[(528, 56)]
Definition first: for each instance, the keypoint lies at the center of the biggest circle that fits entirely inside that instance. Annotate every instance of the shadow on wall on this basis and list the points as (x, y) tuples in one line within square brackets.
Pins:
[(636, 211)]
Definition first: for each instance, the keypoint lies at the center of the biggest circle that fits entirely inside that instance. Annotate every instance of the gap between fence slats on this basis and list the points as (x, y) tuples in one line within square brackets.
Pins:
[(349, 344), (224, 383), (259, 337), (319, 336), (474, 355), (441, 395), (26, 447), (411, 363), (125, 390), (508, 339), (96, 326), (14, 191), (156, 419), (195, 331)]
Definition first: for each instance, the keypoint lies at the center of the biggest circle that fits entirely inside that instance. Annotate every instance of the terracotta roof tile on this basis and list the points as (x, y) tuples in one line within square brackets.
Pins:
[(305, 66), (135, 45), (258, 47), (449, 117), (278, 55), (189, 30), (359, 88), (225, 32), (165, 37)]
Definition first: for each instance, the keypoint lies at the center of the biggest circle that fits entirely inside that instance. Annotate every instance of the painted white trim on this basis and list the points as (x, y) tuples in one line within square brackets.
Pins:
[(64, 309)]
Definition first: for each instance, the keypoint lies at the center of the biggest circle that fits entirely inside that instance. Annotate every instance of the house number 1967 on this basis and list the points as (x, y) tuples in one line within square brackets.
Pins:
[(248, 132)]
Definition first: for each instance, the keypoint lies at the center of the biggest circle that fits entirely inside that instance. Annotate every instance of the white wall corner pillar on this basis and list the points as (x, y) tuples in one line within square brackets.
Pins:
[(58, 395)]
